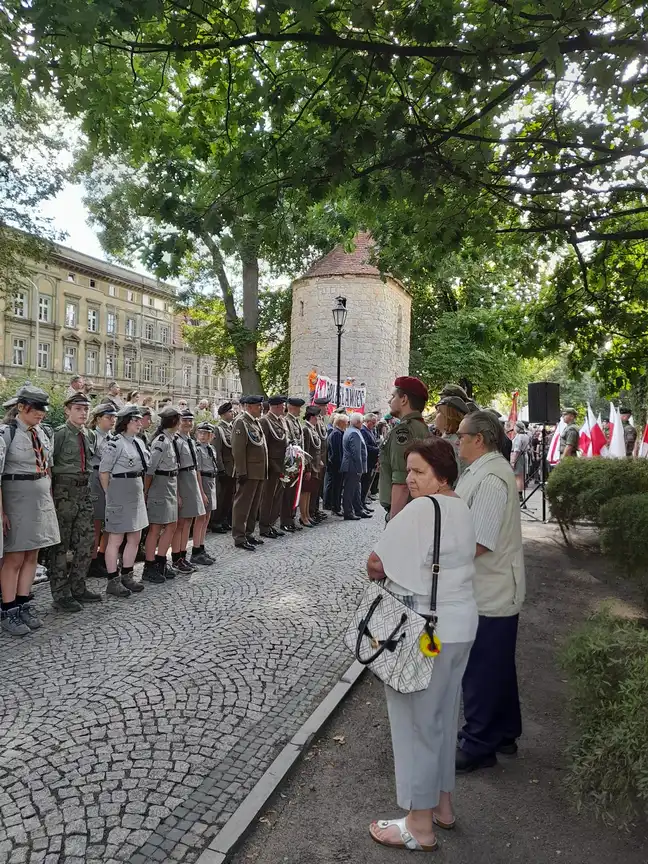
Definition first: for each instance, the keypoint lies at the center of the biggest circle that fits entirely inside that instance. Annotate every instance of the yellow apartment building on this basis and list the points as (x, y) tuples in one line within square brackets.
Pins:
[(80, 315)]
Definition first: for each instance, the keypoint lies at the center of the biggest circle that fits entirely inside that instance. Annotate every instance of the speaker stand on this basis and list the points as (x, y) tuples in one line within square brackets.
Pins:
[(539, 484)]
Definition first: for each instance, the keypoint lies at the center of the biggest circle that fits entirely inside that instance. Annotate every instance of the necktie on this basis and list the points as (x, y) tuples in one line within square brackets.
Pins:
[(82, 451), (193, 451), (38, 451)]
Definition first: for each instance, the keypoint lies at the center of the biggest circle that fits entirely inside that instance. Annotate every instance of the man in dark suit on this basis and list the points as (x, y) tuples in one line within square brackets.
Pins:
[(334, 475), (373, 451), (354, 465)]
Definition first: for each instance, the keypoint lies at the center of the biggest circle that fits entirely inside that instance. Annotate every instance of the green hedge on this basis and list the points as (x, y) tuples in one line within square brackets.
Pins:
[(607, 666), (55, 415), (624, 535), (578, 488)]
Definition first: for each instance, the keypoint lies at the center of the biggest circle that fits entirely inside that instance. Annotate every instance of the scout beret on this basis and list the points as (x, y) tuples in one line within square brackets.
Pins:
[(569, 411), (625, 410), (454, 390), (103, 409), (205, 427), (277, 400), (412, 386), (169, 411), (454, 402), (312, 411), (322, 400), (224, 408), (132, 411), (30, 395), (251, 400), (296, 401), (77, 399)]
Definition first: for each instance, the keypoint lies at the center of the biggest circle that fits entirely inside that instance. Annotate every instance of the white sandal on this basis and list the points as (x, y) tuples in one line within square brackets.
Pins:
[(408, 841)]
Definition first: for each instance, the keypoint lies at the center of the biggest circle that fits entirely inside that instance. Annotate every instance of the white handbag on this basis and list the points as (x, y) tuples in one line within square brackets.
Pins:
[(390, 638)]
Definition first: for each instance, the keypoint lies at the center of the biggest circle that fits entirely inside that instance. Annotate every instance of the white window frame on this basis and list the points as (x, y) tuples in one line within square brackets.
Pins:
[(20, 304), (186, 376), (131, 327), (71, 277), (92, 354), (147, 371), (44, 308), (165, 332), (111, 323), (163, 373), (95, 312), (112, 290), (130, 296), (18, 345), (44, 352), (69, 354), (129, 366), (111, 363), (149, 326), (74, 307)]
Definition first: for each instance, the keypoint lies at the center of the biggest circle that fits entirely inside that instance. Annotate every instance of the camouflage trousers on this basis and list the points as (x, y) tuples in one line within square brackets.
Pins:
[(75, 510)]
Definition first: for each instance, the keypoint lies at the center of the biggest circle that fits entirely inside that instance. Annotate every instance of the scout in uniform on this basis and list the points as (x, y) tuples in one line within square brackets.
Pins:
[(74, 501), (123, 465), (570, 436), (145, 433), (450, 412), (208, 471), (313, 468), (296, 437), (190, 494), (29, 516), (276, 435), (221, 519), (100, 428), (406, 403), (317, 515), (251, 468), (629, 432), (161, 494)]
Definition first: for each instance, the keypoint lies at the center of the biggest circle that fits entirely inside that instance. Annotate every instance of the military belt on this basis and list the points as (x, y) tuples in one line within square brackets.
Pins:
[(207, 473), (129, 475), (38, 476), (173, 473), (188, 468)]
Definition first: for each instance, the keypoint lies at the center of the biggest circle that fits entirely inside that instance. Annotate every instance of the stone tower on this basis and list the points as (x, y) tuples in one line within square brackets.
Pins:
[(376, 340)]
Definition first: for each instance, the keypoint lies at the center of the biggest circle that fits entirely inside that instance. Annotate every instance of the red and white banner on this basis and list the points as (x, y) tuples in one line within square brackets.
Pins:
[(513, 415), (643, 447), (352, 398), (553, 455)]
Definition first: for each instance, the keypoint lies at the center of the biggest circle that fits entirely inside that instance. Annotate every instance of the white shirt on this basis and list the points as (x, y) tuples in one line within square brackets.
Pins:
[(487, 506), (406, 548)]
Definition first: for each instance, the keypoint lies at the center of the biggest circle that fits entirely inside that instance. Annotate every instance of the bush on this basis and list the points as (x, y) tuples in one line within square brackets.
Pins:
[(56, 413), (607, 666), (624, 535), (578, 488)]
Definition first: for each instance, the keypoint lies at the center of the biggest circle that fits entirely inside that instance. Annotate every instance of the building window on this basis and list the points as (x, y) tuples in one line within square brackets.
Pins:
[(69, 358), (206, 377), (301, 308), (111, 322), (130, 296), (93, 320), (164, 335), (20, 304), (149, 329), (147, 372), (91, 361), (130, 327), (71, 277), (129, 366), (112, 291), (186, 376), (71, 314), (43, 355), (151, 301), (163, 373), (110, 366), (221, 384), (18, 352), (44, 309), (93, 284)]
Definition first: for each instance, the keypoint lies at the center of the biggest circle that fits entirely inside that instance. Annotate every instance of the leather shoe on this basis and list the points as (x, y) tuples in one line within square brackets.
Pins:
[(288, 528), (248, 546), (255, 541), (465, 763), (337, 512), (278, 533), (364, 515), (67, 604), (508, 747), (88, 597), (352, 518)]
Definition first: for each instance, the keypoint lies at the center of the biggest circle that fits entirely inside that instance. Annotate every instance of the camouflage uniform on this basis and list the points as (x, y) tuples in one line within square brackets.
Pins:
[(629, 438), (74, 502), (393, 464)]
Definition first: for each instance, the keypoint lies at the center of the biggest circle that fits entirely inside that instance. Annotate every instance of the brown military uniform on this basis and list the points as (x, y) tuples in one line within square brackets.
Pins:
[(250, 462), (314, 466), (276, 435), (226, 484), (320, 430), (295, 436)]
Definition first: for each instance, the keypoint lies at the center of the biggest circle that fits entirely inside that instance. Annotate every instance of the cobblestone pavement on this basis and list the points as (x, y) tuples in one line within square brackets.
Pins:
[(132, 731)]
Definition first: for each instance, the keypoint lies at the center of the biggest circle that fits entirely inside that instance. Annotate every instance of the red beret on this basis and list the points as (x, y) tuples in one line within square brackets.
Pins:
[(412, 386)]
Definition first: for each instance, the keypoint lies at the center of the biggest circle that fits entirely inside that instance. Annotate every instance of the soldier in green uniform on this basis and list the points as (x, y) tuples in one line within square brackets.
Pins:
[(276, 436), (295, 438), (320, 428), (221, 519), (251, 467), (74, 501), (629, 432), (570, 435), (407, 403)]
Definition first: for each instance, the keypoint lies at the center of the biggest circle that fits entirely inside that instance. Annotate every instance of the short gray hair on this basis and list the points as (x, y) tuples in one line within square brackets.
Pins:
[(355, 418), (484, 423), (340, 420), (369, 417)]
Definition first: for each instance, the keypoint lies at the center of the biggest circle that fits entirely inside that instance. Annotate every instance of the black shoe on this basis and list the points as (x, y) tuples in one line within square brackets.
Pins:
[(321, 515), (167, 570), (98, 570), (368, 509), (352, 518), (307, 524), (255, 541), (465, 763), (201, 558), (67, 604), (508, 747), (182, 566), (337, 512), (364, 515), (88, 597), (193, 567), (268, 534), (249, 547), (152, 573), (220, 529), (289, 528), (278, 533)]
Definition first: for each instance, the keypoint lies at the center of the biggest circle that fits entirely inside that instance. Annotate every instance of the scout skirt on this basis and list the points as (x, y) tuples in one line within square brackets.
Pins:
[(125, 507), (32, 516), (162, 500), (189, 493), (209, 488), (99, 496)]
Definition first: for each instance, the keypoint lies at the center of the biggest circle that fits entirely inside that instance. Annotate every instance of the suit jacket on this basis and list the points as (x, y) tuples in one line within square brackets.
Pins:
[(335, 449), (354, 452), (373, 450)]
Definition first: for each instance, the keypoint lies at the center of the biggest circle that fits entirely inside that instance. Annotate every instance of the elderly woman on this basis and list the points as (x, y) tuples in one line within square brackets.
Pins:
[(334, 462), (424, 724), (521, 446), (450, 412)]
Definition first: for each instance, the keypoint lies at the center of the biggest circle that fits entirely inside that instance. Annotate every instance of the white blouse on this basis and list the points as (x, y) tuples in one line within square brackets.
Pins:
[(405, 550)]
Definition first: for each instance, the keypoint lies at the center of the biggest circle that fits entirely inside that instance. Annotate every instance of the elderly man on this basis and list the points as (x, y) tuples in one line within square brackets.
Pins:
[(373, 452), (354, 465), (334, 467), (77, 385), (490, 689), (114, 395)]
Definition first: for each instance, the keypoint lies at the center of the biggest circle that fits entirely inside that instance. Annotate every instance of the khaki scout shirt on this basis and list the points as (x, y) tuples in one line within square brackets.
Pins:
[(67, 450), (393, 465), (249, 448)]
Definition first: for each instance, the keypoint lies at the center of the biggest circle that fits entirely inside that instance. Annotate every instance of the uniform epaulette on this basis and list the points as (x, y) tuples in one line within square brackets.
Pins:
[(160, 437)]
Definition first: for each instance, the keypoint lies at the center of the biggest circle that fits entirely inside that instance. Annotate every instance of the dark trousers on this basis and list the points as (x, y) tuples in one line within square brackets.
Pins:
[(365, 485), (316, 495), (375, 483), (271, 498), (245, 509), (222, 515), (351, 495), (337, 479), (490, 688), (328, 488), (288, 505)]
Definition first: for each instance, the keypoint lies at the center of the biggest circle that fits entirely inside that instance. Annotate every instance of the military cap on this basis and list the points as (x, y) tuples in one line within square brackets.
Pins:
[(103, 409), (454, 402), (625, 410), (472, 406), (412, 386), (132, 411), (277, 400), (10, 403), (296, 401), (224, 408), (169, 411), (145, 411), (313, 411), (322, 400), (186, 414), (34, 396), (454, 390), (77, 399), (569, 411), (251, 399), (494, 412), (205, 427)]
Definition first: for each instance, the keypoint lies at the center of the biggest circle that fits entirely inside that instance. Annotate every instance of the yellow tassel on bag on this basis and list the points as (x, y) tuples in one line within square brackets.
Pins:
[(429, 647)]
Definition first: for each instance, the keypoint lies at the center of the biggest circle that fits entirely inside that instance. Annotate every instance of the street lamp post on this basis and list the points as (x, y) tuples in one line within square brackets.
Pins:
[(339, 316)]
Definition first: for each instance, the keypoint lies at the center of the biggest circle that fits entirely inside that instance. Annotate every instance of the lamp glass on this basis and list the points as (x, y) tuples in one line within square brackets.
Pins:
[(339, 316)]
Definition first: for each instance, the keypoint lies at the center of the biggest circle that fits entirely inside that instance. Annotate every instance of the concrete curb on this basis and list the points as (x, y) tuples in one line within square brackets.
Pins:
[(240, 822)]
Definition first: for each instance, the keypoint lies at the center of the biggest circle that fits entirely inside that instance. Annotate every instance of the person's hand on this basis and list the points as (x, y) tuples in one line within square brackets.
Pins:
[(307, 475), (179, 501), (242, 478), (6, 524)]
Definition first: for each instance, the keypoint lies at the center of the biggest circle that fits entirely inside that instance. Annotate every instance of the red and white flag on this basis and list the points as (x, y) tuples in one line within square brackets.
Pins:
[(596, 432), (643, 447), (585, 439), (616, 448), (553, 454), (513, 414)]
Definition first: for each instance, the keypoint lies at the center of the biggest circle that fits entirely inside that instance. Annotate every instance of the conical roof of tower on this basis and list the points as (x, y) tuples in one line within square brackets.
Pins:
[(338, 262)]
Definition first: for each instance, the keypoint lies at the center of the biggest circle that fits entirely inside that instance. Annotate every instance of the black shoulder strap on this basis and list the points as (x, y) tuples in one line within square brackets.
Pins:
[(141, 454), (436, 552), (175, 449), (192, 450)]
